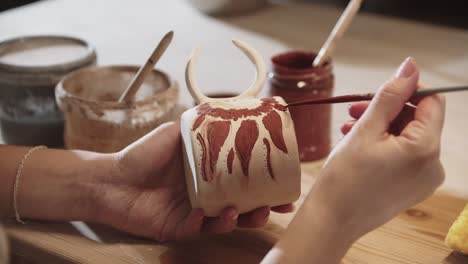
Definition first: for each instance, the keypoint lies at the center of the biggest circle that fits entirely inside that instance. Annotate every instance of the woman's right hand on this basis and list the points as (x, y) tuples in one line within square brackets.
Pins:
[(388, 160)]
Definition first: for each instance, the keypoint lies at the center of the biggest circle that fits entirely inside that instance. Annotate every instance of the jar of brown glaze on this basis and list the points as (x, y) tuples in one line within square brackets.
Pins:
[(295, 79)]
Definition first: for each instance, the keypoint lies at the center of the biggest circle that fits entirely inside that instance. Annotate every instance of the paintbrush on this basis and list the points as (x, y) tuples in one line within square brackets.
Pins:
[(369, 96)]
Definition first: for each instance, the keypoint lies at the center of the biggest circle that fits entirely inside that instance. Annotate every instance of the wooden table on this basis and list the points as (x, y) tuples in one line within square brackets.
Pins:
[(125, 32)]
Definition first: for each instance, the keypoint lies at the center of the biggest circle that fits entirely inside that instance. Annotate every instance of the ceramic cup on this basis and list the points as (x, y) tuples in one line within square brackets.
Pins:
[(239, 151), (96, 121)]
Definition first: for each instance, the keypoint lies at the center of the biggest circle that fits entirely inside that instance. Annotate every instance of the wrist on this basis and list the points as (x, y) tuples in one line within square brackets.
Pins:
[(333, 223), (337, 209), (61, 185), (317, 234)]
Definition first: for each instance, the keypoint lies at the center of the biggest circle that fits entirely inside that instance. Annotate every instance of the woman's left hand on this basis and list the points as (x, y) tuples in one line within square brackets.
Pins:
[(146, 193)]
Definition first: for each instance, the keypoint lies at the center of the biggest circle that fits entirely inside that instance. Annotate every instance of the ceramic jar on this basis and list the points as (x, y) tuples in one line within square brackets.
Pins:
[(96, 121), (239, 151), (293, 78), (30, 67)]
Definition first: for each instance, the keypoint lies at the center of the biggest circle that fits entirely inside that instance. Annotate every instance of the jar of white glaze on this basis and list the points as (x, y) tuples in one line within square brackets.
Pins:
[(30, 68)]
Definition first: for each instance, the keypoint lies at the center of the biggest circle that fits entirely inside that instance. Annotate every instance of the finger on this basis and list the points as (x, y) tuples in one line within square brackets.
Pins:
[(191, 226), (357, 109), (346, 127), (285, 208), (255, 218), (431, 111), (163, 143), (391, 97), (403, 119), (225, 223), (416, 99), (429, 115)]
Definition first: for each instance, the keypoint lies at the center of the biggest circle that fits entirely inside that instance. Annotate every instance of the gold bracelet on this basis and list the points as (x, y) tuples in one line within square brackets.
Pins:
[(17, 179)]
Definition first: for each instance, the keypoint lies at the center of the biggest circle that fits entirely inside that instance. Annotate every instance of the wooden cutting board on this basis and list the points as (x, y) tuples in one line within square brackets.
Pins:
[(415, 236)]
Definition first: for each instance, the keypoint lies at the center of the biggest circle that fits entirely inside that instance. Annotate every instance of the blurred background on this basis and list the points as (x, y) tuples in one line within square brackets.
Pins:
[(453, 13)]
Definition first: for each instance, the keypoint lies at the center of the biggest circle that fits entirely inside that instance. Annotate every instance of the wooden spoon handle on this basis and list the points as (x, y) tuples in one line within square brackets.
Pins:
[(137, 81)]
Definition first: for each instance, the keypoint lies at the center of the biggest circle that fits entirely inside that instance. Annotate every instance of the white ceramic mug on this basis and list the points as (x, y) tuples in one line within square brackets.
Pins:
[(239, 151)]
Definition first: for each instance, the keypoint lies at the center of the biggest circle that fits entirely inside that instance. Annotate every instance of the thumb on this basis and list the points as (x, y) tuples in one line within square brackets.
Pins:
[(162, 143), (391, 97)]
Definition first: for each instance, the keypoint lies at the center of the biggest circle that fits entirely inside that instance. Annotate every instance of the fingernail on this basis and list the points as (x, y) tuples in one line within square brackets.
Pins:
[(231, 215), (265, 212), (406, 69)]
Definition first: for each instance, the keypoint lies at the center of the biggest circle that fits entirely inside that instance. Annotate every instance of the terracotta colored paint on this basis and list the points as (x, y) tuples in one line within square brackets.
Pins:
[(246, 136), (198, 122), (272, 122), (268, 158), (295, 80), (268, 105), (217, 132), (245, 140), (204, 154), (230, 160)]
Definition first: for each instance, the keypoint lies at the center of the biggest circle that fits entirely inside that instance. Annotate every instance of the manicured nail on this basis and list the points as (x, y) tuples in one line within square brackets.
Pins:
[(406, 69), (264, 212), (231, 215)]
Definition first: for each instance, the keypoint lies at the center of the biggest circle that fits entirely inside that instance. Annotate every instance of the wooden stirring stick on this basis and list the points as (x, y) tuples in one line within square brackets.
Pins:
[(337, 32), (369, 96), (137, 81)]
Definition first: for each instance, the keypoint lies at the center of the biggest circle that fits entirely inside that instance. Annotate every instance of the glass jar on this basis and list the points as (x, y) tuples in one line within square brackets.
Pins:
[(295, 79)]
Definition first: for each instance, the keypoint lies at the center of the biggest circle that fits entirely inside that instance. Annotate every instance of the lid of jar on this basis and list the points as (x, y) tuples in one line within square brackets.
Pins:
[(45, 56)]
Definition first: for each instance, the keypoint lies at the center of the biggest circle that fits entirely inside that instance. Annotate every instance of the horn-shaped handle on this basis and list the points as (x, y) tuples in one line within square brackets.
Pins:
[(192, 86), (251, 92), (260, 67)]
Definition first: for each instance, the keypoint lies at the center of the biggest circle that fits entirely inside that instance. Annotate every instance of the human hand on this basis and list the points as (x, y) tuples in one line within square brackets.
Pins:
[(146, 195), (389, 159)]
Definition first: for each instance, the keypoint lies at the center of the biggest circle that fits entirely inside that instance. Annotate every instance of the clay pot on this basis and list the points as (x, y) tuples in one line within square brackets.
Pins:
[(294, 79), (30, 68), (95, 121), (239, 151), (32, 121)]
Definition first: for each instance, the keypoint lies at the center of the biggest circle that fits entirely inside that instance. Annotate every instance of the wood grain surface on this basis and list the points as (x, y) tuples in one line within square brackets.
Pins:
[(415, 236)]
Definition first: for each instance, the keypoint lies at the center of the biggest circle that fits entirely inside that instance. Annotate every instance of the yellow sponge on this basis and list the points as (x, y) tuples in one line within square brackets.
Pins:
[(457, 237)]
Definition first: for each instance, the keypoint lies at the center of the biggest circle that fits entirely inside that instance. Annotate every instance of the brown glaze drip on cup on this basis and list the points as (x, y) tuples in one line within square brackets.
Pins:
[(294, 79), (204, 156), (230, 160), (246, 136), (217, 133), (268, 158), (272, 122)]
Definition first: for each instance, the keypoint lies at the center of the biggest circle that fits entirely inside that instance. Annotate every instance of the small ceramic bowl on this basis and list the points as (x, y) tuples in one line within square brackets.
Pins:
[(96, 121)]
